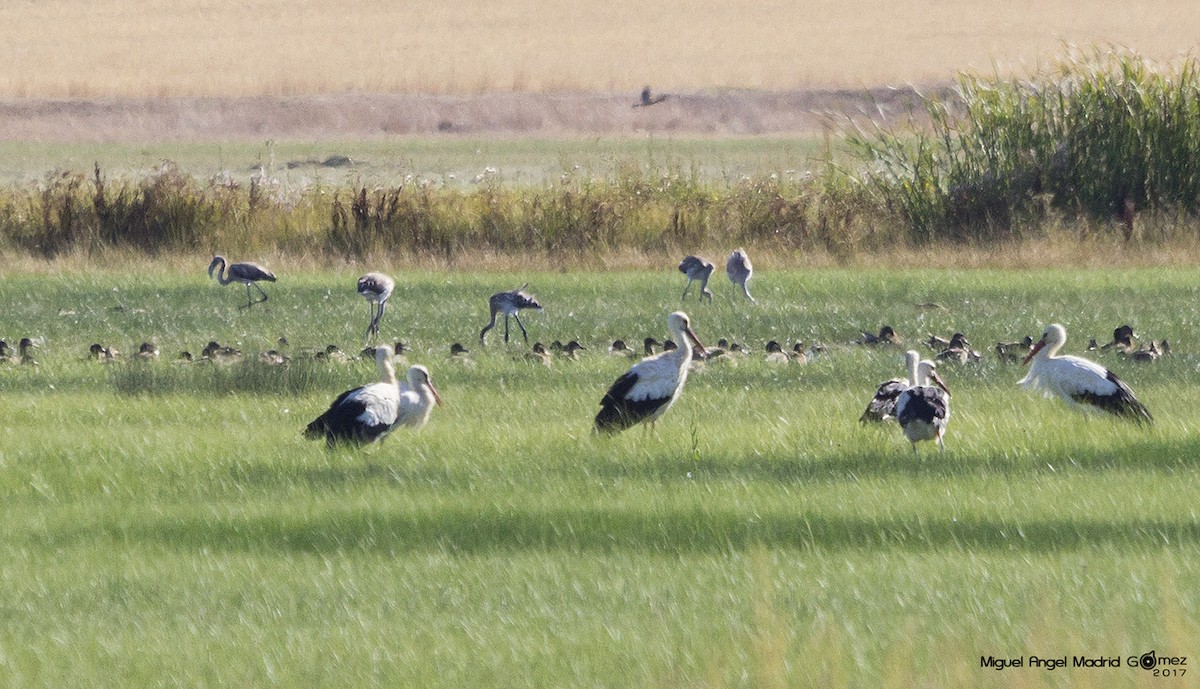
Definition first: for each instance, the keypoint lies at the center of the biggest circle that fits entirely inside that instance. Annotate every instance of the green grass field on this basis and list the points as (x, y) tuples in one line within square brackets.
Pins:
[(167, 525)]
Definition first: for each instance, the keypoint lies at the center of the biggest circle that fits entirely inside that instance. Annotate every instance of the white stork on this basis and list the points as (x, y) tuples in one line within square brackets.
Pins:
[(1081, 383), (883, 405), (376, 288), (245, 273), (739, 270), (923, 410), (652, 385), (364, 414), (696, 268), (509, 303), (416, 399)]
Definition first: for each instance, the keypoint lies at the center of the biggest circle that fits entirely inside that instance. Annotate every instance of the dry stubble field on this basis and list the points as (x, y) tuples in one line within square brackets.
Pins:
[(117, 70)]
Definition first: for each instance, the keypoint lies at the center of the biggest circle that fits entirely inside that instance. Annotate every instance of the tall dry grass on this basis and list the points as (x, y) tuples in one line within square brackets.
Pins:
[(196, 47)]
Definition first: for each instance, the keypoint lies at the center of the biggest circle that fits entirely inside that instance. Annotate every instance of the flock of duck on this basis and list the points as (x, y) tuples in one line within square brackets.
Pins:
[(919, 403)]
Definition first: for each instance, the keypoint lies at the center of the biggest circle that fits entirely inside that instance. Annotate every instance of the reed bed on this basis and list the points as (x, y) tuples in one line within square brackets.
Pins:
[(1098, 138)]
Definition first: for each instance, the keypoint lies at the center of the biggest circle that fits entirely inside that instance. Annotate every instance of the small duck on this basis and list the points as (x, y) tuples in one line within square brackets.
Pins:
[(1013, 352), (98, 352), (571, 351), (538, 355), (23, 348), (797, 355), (1123, 337), (619, 348), (220, 354), (887, 336), (272, 357), (959, 350), (147, 351), (1147, 355), (775, 354)]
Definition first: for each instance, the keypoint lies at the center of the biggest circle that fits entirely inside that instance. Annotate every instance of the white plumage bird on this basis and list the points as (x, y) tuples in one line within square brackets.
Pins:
[(368, 413), (1081, 383), (364, 414), (739, 270), (376, 288), (923, 410), (417, 399), (652, 385)]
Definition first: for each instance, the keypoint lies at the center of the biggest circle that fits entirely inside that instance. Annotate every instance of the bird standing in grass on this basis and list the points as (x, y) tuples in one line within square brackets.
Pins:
[(376, 288), (923, 410), (417, 398), (245, 273), (883, 405), (652, 385), (509, 303), (696, 268), (364, 414), (739, 270), (1081, 383)]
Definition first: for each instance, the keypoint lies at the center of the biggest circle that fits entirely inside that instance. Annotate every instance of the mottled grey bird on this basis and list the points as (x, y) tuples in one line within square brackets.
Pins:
[(376, 288), (509, 303), (696, 268), (739, 270)]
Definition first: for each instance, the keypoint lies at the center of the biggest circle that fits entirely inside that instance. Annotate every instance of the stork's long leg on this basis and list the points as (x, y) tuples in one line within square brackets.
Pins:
[(506, 328), (260, 291), (522, 327), (685, 289), (249, 302)]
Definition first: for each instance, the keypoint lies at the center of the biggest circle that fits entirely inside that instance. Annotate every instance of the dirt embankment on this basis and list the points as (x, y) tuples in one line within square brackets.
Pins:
[(724, 113)]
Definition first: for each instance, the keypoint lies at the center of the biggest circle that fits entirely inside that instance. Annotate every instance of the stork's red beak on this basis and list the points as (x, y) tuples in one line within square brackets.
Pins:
[(436, 397), (695, 341), (1036, 348)]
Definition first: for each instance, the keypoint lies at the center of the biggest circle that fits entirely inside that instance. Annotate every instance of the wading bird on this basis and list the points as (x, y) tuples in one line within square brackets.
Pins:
[(376, 288), (245, 273), (509, 303), (922, 410), (883, 405), (739, 270), (364, 414), (416, 399), (696, 268), (1081, 383), (652, 385)]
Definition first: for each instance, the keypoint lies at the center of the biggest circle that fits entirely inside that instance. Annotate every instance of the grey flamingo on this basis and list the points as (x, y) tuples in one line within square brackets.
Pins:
[(245, 273), (509, 303), (376, 288), (739, 270), (696, 268)]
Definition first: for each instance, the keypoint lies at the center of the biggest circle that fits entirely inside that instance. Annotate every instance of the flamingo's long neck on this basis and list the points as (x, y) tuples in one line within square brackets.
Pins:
[(221, 277)]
